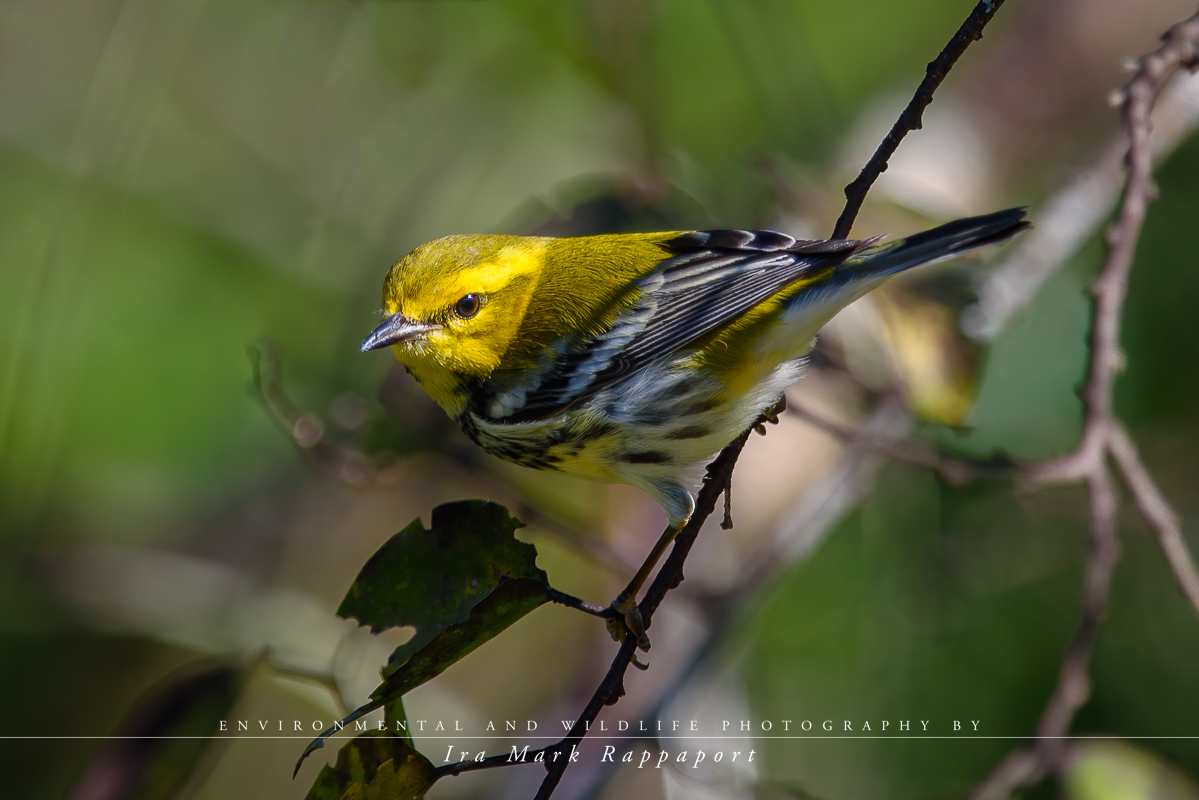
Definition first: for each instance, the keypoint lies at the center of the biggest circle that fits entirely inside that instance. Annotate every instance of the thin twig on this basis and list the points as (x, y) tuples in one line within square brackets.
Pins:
[(955, 470), (1102, 435), (1074, 685), (1158, 513), (670, 576), (570, 601), (306, 429), (912, 117)]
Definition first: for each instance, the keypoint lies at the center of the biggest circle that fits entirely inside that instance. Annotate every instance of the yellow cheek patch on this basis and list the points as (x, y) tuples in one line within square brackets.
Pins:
[(506, 282), (477, 356), (443, 386)]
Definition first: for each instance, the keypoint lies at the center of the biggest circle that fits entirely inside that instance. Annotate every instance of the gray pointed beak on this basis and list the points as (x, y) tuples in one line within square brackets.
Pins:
[(394, 330)]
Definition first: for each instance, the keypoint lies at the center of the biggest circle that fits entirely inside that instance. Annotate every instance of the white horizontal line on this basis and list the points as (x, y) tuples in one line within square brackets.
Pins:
[(633, 738)]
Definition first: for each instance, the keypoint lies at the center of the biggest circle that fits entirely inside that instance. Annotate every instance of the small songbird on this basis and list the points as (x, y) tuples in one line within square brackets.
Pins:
[(632, 358)]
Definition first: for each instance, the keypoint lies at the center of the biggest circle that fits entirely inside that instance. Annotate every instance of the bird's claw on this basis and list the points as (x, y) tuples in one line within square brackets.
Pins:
[(630, 622), (771, 415)]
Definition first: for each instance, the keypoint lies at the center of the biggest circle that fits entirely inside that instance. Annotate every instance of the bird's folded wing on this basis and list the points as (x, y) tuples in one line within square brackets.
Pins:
[(714, 277)]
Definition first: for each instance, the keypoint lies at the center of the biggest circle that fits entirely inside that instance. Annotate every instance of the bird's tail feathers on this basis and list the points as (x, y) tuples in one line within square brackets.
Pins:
[(946, 241)]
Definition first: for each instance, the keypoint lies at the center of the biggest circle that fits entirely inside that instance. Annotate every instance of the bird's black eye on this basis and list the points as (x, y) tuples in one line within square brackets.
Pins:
[(467, 307)]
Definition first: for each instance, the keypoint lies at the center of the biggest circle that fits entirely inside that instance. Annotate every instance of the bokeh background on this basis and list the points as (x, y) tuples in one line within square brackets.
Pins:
[(198, 193)]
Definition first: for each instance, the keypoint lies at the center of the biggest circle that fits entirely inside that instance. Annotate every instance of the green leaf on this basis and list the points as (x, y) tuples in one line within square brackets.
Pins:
[(431, 579), (511, 601), (508, 603), (376, 764), (409, 783), (459, 584)]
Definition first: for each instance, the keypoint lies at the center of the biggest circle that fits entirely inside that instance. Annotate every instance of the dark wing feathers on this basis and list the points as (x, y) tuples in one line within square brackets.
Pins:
[(713, 277), (765, 241), (696, 308)]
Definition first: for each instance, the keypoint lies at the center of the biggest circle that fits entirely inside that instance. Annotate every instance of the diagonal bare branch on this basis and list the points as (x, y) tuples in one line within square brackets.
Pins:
[(1157, 512), (912, 117)]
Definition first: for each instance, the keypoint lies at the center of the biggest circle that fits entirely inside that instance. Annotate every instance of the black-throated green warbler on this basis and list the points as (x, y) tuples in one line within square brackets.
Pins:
[(631, 358)]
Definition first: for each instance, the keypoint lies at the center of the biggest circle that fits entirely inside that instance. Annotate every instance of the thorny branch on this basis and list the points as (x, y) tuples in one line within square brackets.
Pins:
[(1103, 435), (611, 689), (1157, 511), (912, 118)]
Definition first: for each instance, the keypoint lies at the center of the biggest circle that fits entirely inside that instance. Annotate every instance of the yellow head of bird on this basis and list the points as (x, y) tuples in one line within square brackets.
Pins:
[(455, 305)]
